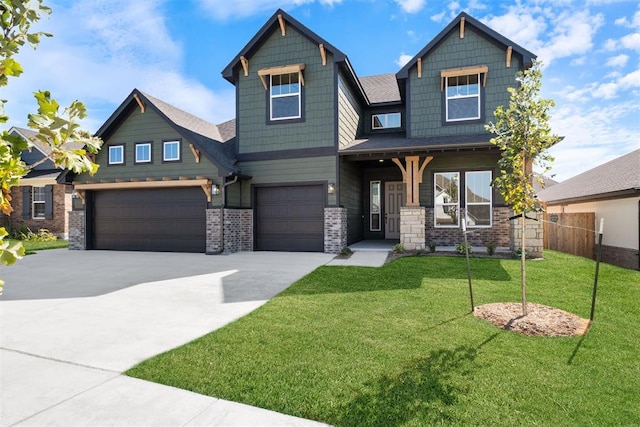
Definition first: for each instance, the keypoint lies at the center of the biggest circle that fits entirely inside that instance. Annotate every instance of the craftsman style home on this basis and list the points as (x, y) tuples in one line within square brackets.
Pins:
[(317, 157)]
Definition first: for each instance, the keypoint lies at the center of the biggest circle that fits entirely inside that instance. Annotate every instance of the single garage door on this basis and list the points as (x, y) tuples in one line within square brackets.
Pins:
[(290, 218), (159, 220)]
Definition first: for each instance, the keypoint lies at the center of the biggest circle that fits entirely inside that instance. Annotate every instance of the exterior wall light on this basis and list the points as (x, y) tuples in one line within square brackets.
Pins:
[(331, 188), (215, 189)]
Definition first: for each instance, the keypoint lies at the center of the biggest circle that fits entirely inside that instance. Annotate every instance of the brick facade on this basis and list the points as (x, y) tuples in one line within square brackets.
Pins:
[(238, 230), (335, 229), (622, 257), (58, 225), (412, 228), (77, 235), (498, 233)]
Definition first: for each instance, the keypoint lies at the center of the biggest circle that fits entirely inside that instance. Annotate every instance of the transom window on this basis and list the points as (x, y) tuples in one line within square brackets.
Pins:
[(285, 96), (478, 193), (143, 153), (386, 121), (375, 224), (116, 154), (171, 151), (38, 202), (447, 199), (463, 97)]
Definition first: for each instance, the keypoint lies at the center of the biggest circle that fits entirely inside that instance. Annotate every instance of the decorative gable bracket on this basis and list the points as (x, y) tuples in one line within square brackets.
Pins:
[(269, 71), (452, 72), (412, 176)]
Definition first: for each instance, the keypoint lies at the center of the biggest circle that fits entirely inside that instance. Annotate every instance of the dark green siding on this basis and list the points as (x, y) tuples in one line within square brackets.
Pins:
[(351, 198), (425, 94), (318, 127)]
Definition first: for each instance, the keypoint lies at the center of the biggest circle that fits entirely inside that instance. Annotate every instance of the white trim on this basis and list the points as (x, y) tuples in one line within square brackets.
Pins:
[(435, 203), (379, 211), (135, 150), (467, 203), (297, 94), (385, 116), (121, 147), (42, 202), (458, 97), (164, 152)]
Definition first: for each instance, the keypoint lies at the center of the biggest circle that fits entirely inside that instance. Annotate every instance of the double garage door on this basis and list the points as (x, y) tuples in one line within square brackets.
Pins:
[(286, 218), (159, 220)]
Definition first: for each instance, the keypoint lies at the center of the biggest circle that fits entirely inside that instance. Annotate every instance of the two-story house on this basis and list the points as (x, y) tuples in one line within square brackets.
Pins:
[(317, 157)]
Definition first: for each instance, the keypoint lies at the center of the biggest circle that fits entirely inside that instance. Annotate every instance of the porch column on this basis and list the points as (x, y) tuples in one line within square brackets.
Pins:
[(412, 176), (335, 229), (77, 239), (412, 225)]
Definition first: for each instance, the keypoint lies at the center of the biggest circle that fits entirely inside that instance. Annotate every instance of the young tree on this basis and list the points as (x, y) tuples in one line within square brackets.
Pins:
[(524, 136), (69, 146)]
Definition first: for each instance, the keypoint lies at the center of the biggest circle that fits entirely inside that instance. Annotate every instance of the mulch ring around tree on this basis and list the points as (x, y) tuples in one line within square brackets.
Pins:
[(541, 320)]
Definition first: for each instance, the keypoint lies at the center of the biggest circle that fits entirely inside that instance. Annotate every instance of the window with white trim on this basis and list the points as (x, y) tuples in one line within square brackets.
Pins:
[(38, 203), (375, 223), (285, 97), (171, 151), (385, 121), (116, 154), (462, 97), (446, 199), (143, 152), (478, 198)]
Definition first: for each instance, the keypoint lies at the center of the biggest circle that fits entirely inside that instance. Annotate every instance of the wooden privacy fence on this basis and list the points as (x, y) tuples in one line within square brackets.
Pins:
[(571, 233)]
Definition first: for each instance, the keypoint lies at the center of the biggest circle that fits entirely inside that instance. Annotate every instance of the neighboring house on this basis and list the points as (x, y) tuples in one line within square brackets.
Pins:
[(612, 192), (44, 196), (317, 157)]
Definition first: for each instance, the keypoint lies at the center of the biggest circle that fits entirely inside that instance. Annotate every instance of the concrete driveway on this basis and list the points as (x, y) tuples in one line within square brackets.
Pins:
[(72, 321)]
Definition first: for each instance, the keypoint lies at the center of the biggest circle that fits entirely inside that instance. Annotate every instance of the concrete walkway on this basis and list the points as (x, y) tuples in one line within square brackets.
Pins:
[(71, 322)]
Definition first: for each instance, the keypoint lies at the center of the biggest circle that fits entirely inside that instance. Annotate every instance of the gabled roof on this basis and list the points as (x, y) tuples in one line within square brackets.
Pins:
[(381, 89), (272, 24), (216, 143), (527, 57), (30, 135), (618, 178)]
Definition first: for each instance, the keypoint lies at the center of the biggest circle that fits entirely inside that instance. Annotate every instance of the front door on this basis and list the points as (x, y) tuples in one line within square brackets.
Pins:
[(394, 199)]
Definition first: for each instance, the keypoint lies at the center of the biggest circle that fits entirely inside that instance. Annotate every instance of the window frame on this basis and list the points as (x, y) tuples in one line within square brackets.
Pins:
[(478, 95), (436, 205), (372, 206), (110, 162), (35, 202), (135, 152), (385, 125), (297, 94), (467, 203), (166, 142)]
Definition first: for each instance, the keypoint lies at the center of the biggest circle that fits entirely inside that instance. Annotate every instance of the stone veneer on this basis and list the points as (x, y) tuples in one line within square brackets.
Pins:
[(534, 233), (238, 230), (335, 229), (412, 228), (77, 235)]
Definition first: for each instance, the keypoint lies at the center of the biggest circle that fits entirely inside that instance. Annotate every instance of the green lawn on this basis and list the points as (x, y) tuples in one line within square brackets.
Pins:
[(355, 346), (31, 246)]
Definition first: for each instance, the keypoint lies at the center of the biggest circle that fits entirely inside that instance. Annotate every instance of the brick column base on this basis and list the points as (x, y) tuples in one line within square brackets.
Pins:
[(237, 226), (77, 227), (335, 229), (214, 231), (412, 228)]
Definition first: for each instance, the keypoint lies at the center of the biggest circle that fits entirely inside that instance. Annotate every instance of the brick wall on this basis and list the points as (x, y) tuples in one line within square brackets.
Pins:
[(238, 230), (77, 236), (58, 225), (412, 228), (214, 235), (622, 257), (499, 233), (335, 229)]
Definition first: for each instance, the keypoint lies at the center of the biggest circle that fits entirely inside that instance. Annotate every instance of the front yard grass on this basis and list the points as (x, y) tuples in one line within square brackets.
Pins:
[(31, 246), (356, 346)]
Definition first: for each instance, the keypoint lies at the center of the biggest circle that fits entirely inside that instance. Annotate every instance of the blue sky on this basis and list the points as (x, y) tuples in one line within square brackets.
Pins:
[(176, 50)]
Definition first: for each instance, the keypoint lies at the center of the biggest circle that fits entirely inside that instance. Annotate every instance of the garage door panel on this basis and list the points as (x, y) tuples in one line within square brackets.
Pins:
[(290, 218), (167, 220)]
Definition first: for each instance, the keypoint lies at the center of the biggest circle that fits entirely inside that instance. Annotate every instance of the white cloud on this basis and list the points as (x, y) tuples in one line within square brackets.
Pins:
[(631, 80), (631, 41), (625, 22), (411, 6), (439, 17), (572, 34), (225, 9), (403, 59), (610, 45), (617, 61), (606, 90)]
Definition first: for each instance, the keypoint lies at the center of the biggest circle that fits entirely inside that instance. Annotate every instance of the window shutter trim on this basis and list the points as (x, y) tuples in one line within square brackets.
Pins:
[(48, 201)]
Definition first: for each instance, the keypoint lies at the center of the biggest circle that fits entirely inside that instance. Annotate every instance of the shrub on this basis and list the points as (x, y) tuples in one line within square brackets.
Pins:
[(346, 252), (463, 248), (398, 249), (518, 253), (491, 248), (432, 247), (43, 235)]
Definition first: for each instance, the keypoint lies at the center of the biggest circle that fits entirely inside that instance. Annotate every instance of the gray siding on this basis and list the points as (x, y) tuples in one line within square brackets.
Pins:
[(425, 94), (289, 171), (349, 115), (34, 155), (318, 127), (351, 197)]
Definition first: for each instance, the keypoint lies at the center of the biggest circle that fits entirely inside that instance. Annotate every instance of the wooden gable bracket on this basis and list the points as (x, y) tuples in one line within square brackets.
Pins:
[(196, 152), (245, 65), (294, 68), (462, 28), (207, 190), (282, 27), (509, 52), (419, 68), (412, 177), (323, 54), (81, 195), (140, 103)]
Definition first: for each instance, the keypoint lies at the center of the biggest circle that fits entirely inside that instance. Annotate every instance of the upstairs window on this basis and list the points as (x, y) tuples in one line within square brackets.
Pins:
[(171, 151), (285, 97), (386, 121), (143, 152), (463, 97), (116, 154)]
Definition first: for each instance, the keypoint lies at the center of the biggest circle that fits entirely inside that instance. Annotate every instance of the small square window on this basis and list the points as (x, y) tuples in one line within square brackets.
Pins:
[(116, 154), (143, 153), (171, 151)]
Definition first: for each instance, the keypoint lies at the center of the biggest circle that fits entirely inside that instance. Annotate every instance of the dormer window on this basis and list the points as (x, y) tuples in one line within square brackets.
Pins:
[(463, 93), (386, 121)]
